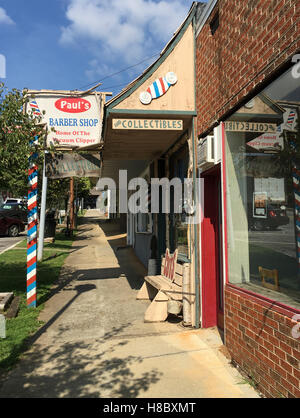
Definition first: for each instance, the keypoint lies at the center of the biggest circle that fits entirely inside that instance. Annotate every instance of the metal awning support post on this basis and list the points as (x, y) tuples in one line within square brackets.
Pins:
[(196, 237), (42, 213)]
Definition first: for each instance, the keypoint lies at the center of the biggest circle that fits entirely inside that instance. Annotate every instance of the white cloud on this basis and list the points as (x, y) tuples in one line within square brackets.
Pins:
[(4, 18), (120, 32)]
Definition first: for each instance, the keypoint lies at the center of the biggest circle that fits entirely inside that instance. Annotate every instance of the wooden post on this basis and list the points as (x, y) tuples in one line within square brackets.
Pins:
[(186, 295), (72, 220)]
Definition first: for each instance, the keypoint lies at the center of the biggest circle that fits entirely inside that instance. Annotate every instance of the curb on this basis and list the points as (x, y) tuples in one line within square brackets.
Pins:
[(12, 246)]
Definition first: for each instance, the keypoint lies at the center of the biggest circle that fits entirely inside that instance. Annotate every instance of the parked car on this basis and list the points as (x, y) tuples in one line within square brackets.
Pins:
[(13, 200), (14, 210), (276, 216), (11, 226)]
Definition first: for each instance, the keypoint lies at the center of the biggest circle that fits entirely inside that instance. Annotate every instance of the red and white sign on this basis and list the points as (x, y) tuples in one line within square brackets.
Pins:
[(72, 105), (271, 143), (72, 121)]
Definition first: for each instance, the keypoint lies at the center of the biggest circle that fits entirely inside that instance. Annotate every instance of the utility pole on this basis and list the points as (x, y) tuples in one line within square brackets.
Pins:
[(76, 204), (42, 213)]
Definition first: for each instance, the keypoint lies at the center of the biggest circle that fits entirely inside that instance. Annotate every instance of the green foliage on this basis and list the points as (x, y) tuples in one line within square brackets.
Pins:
[(17, 128), (290, 153), (58, 190), (83, 186)]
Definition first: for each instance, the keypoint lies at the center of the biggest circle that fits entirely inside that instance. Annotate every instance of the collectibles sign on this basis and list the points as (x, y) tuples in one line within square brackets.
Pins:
[(234, 126), (148, 124), (72, 165), (71, 121)]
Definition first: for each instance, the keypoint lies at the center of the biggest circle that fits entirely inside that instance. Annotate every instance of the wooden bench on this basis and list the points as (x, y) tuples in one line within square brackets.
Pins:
[(161, 289)]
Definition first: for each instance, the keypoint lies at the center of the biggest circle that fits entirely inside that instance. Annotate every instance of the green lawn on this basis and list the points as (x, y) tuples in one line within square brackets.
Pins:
[(13, 279)]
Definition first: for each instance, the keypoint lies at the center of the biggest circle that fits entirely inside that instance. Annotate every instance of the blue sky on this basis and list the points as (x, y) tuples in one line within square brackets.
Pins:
[(68, 44)]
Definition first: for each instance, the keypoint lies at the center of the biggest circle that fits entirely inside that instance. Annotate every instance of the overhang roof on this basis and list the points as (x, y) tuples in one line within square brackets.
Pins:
[(142, 144)]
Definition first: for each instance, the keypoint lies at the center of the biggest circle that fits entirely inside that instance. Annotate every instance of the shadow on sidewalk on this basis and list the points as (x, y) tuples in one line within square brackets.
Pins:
[(98, 274), (130, 265), (79, 369), (85, 367)]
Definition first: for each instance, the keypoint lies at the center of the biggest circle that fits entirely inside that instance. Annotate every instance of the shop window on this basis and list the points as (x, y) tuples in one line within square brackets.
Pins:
[(179, 227), (144, 222), (263, 193)]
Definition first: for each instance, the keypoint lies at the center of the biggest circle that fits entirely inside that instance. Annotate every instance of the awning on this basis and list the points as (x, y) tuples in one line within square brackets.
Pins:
[(151, 134)]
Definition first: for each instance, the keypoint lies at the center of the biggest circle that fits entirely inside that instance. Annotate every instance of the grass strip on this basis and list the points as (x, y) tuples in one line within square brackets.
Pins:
[(13, 279)]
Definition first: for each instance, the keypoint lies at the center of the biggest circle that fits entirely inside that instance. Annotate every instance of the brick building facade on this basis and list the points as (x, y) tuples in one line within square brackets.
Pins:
[(254, 41), (241, 47)]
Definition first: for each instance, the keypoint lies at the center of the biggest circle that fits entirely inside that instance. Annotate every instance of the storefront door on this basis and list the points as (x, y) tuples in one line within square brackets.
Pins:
[(212, 279)]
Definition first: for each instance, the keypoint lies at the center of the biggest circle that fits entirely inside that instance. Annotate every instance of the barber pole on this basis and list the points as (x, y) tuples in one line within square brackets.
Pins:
[(291, 119), (158, 88), (296, 184), (296, 188), (35, 108), (32, 227)]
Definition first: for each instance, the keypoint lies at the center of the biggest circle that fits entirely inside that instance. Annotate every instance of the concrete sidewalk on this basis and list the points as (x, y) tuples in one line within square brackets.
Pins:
[(95, 344)]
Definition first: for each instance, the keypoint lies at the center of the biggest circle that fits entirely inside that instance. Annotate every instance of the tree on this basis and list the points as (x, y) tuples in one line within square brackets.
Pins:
[(17, 128), (58, 191)]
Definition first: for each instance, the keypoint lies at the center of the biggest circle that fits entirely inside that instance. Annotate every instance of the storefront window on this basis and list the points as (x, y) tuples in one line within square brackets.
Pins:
[(144, 222), (178, 224), (263, 193)]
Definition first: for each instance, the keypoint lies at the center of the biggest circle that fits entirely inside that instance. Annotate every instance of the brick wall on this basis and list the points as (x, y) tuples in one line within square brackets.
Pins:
[(253, 40), (259, 338)]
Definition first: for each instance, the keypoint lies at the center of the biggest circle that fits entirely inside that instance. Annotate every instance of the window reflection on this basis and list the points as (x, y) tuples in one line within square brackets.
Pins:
[(263, 193), (178, 224)]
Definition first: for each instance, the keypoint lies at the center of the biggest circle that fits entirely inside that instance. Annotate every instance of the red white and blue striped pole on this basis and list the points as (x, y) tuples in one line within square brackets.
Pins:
[(32, 228), (291, 119), (296, 187)]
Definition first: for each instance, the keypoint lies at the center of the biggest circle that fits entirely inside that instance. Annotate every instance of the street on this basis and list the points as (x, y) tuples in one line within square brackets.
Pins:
[(282, 240), (7, 242)]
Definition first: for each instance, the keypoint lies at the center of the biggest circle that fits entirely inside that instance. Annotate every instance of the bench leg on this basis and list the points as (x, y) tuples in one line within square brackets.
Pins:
[(146, 292), (158, 310)]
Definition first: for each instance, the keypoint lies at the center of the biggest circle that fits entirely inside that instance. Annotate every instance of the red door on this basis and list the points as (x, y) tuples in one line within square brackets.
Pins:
[(212, 278)]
